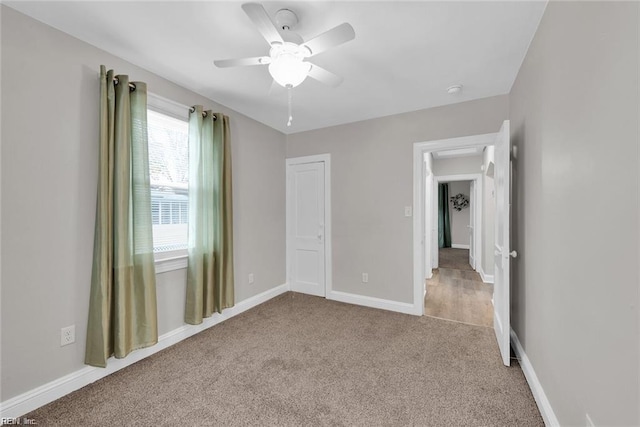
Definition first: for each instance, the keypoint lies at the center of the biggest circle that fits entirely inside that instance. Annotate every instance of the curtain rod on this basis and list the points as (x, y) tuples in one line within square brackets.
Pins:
[(204, 113), (132, 86)]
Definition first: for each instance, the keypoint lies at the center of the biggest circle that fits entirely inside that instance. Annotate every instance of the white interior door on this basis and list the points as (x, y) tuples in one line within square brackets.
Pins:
[(472, 218), (426, 240), (501, 299), (306, 242), (434, 226)]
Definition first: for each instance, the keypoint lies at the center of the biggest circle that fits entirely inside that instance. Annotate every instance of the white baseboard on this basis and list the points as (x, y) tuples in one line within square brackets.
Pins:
[(486, 278), (539, 395), (383, 304), (40, 396), (457, 246)]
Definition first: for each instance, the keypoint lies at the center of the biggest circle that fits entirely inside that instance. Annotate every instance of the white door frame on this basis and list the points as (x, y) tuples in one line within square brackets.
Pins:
[(477, 220), (319, 158), (421, 253)]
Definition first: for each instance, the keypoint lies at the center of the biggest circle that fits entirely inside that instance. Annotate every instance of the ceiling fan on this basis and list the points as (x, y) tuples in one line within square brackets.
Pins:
[(287, 56)]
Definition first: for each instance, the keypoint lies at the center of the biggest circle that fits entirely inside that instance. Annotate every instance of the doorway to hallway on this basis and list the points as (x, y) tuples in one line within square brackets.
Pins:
[(499, 170)]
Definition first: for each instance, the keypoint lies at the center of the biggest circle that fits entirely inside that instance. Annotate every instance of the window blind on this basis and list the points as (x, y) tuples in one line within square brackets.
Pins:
[(169, 175)]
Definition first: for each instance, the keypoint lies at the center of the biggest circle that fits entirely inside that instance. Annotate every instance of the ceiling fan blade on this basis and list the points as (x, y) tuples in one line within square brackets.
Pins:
[(241, 62), (324, 76), (261, 19), (334, 37)]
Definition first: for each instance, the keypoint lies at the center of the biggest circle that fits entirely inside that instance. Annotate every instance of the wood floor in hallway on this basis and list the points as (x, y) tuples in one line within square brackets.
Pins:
[(456, 291)]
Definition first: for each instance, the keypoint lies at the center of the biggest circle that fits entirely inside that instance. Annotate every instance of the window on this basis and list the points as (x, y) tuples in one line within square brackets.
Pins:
[(169, 173)]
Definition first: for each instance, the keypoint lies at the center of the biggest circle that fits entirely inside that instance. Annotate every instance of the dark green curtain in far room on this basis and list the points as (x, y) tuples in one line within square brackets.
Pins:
[(444, 220), (210, 273), (122, 305)]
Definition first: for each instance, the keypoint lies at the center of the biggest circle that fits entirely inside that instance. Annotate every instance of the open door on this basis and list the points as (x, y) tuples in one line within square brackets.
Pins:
[(471, 226), (435, 254), (501, 298), (428, 219)]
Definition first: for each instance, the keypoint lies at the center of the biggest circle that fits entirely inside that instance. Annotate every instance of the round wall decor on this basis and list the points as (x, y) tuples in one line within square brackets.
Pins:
[(460, 201)]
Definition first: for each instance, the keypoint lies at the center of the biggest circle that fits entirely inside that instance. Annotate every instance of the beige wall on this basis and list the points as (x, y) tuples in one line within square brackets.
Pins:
[(574, 119), (372, 182), (49, 177)]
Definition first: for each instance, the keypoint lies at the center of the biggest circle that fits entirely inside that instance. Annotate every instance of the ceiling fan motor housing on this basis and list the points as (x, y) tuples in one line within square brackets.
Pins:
[(286, 19)]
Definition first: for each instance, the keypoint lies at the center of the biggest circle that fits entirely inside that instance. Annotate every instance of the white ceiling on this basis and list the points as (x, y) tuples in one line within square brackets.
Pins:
[(403, 58)]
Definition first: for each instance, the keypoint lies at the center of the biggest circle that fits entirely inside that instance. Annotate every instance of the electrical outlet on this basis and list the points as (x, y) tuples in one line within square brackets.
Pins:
[(67, 335), (365, 277), (251, 278)]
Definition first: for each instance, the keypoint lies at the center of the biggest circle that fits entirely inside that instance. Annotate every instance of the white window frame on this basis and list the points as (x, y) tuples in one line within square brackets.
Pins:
[(169, 260)]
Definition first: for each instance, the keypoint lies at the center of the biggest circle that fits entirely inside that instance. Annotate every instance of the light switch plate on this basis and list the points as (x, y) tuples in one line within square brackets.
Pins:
[(408, 211)]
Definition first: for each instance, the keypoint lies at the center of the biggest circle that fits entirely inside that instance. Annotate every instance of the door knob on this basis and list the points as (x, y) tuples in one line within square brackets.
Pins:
[(514, 254)]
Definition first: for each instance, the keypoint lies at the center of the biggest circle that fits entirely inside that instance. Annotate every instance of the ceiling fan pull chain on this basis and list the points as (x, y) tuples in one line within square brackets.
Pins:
[(290, 92)]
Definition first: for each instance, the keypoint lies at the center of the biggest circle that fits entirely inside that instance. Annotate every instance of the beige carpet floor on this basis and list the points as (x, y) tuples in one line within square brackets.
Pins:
[(304, 361)]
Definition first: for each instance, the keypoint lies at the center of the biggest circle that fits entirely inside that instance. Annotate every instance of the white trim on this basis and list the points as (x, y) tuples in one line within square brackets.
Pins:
[(457, 246), (328, 264), (419, 245), (420, 266), (165, 265), (549, 417), (458, 177), (167, 106), (383, 304), (40, 396), (486, 278)]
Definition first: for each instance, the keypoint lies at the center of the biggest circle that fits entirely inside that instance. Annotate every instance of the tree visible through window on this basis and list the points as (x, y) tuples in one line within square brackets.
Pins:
[(169, 173)]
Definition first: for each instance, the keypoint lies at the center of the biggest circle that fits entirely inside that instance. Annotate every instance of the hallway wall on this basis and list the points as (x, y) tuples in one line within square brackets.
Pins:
[(574, 112)]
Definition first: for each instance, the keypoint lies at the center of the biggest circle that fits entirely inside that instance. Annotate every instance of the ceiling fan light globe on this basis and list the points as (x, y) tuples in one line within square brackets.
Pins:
[(289, 70)]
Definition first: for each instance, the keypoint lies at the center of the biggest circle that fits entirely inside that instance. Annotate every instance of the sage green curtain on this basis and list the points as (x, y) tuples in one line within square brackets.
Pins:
[(122, 306), (444, 219), (210, 273)]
